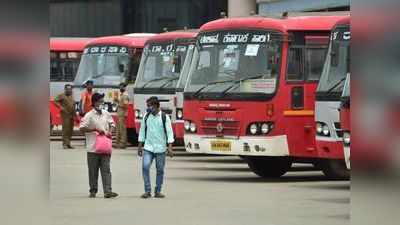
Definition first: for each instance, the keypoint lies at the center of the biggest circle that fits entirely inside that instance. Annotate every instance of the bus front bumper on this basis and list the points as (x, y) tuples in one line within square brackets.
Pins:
[(245, 145)]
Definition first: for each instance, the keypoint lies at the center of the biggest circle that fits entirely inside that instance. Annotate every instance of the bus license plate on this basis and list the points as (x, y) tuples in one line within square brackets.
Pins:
[(224, 146)]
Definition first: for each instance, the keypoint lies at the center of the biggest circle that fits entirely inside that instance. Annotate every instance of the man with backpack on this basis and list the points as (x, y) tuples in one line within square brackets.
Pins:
[(155, 133)]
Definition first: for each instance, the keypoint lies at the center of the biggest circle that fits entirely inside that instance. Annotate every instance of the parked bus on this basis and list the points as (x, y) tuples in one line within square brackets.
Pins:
[(251, 90), (329, 135), (345, 120), (159, 75), (65, 55), (108, 61)]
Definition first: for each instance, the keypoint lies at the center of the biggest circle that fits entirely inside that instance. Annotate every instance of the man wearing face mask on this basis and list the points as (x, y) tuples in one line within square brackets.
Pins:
[(155, 133), (66, 103), (98, 121), (122, 100)]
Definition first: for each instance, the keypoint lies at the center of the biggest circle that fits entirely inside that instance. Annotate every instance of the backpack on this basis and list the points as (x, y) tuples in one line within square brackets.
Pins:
[(164, 120)]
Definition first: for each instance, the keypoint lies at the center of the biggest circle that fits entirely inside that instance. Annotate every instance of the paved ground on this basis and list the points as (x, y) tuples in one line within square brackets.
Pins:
[(201, 190)]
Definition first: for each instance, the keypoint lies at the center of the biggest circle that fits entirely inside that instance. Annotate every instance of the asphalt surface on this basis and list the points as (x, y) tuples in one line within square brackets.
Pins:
[(200, 190)]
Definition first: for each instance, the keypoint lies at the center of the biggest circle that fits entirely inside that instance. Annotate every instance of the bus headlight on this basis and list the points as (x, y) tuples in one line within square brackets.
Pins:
[(325, 130), (138, 114), (253, 128), (193, 127), (114, 107), (319, 128), (265, 128), (179, 114), (346, 138), (187, 125)]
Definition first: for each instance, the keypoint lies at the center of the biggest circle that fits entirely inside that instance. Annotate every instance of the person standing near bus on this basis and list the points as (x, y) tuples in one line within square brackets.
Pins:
[(86, 98), (66, 103), (122, 100), (98, 122), (155, 133)]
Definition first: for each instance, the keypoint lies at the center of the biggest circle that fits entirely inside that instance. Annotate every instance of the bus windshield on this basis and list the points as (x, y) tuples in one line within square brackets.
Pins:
[(346, 88), (158, 66), (235, 62), (337, 64), (104, 66), (186, 67)]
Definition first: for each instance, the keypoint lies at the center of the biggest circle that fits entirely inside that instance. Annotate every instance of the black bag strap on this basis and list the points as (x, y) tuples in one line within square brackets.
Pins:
[(164, 121)]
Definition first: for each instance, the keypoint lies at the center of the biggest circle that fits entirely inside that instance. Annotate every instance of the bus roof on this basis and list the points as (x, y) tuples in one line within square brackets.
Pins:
[(344, 21), (130, 40), (284, 25), (68, 43), (174, 35)]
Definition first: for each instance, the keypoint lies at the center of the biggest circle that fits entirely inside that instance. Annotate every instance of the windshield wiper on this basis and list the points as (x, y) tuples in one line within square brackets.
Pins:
[(208, 84), (151, 81), (336, 85), (168, 81), (240, 80)]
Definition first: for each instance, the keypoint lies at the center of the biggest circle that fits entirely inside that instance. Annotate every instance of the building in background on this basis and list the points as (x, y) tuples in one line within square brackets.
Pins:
[(92, 18), (268, 7)]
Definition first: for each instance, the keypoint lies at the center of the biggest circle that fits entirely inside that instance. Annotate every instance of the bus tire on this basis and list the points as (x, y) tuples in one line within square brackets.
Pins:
[(132, 136), (335, 169), (269, 167)]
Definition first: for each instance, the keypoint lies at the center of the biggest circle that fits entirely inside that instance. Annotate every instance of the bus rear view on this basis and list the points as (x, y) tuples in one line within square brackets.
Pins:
[(251, 90)]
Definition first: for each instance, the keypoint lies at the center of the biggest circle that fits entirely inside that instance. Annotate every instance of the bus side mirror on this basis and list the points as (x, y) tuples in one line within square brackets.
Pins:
[(177, 64), (121, 68)]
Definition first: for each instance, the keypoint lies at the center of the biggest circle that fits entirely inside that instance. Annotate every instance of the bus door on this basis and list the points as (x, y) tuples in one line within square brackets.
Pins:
[(305, 63)]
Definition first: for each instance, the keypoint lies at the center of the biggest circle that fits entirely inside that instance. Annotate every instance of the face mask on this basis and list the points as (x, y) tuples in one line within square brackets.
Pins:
[(99, 108), (150, 109)]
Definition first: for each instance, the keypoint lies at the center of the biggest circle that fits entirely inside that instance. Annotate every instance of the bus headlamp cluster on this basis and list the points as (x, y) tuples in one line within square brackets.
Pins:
[(190, 126), (346, 138), (138, 114), (322, 129), (179, 114), (260, 128)]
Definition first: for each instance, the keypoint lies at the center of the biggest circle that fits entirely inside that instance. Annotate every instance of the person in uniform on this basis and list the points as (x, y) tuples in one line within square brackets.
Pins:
[(122, 100), (86, 98), (66, 103)]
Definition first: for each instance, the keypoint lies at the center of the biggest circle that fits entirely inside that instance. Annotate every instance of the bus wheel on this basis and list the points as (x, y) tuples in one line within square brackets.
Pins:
[(132, 136), (335, 169), (269, 167)]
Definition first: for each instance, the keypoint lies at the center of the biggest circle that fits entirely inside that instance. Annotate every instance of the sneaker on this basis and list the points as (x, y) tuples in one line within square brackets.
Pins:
[(70, 147), (146, 195), (65, 146), (110, 195), (92, 195), (159, 195)]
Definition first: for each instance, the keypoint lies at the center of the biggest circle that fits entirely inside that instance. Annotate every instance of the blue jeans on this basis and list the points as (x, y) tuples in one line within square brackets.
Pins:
[(160, 164)]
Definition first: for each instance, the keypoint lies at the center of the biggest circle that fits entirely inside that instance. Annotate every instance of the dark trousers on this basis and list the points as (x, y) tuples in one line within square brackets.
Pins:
[(98, 162)]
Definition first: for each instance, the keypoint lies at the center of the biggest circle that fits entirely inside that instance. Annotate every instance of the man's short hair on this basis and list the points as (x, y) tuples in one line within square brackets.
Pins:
[(89, 82), (96, 97), (153, 101), (67, 86), (122, 84)]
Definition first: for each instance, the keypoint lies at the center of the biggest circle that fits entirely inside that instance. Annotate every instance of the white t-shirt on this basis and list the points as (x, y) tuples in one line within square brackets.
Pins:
[(94, 120)]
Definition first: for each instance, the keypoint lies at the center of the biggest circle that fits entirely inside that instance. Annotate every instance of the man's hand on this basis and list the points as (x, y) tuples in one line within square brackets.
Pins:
[(170, 152), (101, 132), (140, 150)]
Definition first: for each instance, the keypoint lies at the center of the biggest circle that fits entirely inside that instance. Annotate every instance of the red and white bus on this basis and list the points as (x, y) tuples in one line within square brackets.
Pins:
[(65, 55), (251, 90), (108, 61), (161, 69), (329, 135)]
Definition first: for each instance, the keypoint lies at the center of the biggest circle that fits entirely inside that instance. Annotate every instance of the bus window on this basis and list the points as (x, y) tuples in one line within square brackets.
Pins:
[(295, 67), (315, 58)]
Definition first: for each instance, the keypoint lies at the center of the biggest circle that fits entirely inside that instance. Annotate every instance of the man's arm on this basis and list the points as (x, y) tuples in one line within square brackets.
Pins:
[(84, 125), (57, 101), (141, 137)]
